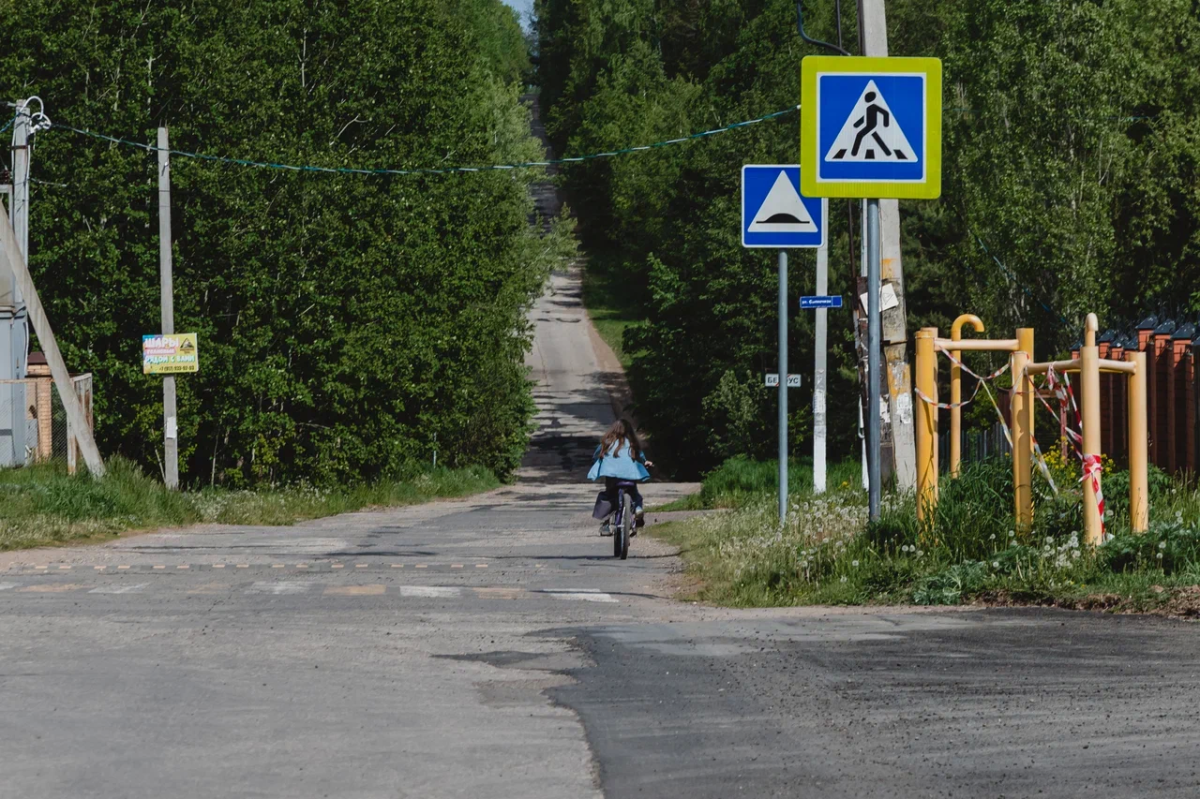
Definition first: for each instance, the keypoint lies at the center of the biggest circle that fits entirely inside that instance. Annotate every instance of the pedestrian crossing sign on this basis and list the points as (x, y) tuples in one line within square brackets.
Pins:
[(871, 127)]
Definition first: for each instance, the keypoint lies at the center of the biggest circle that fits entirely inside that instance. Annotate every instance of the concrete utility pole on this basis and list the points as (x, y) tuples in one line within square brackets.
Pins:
[(898, 420), (819, 366), (167, 288), (14, 317)]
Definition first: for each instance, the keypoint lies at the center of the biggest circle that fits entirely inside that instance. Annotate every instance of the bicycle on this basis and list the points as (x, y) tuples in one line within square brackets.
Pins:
[(624, 520)]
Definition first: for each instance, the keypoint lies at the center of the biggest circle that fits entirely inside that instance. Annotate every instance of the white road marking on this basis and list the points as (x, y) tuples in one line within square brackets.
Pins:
[(579, 594), (120, 589), (281, 587), (6, 586), (438, 591)]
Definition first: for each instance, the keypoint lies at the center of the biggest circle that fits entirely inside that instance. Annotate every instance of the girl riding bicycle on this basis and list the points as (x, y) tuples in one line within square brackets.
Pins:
[(619, 459)]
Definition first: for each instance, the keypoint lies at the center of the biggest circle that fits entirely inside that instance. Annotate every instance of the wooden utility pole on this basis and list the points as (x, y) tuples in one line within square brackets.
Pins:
[(897, 420), (167, 288), (45, 334)]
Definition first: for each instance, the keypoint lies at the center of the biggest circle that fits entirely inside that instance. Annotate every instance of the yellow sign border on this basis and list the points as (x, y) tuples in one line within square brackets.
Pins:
[(928, 189)]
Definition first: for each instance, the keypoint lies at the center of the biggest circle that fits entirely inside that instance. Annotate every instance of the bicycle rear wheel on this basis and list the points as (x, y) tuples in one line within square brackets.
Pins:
[(628, 520)]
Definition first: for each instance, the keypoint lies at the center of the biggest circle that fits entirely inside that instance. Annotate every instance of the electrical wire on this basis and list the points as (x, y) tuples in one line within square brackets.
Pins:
[(428, 170)]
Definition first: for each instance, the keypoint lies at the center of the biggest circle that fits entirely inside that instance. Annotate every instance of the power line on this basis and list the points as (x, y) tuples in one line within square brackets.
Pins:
[(428, 171)]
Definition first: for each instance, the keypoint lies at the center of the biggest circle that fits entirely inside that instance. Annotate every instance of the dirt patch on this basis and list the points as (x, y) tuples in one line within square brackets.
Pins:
[(1174, 603)]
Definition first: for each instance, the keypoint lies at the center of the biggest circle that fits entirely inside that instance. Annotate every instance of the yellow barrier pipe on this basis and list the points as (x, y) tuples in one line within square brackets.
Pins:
[(1139, 493), (1021, 408), (926, 433), (1058, 366), (956, 390), (977, 345), (1089, 375)]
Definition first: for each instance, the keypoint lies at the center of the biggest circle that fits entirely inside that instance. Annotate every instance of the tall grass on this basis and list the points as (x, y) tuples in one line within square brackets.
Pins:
[(739, 481), (43, 505), (829, 553)]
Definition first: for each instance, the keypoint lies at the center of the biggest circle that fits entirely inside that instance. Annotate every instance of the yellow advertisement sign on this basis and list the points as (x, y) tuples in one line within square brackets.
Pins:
[(164, 355)]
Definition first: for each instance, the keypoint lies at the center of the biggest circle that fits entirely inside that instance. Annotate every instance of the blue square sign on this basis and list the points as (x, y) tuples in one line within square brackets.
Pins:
[(871, 127), (774, 213)]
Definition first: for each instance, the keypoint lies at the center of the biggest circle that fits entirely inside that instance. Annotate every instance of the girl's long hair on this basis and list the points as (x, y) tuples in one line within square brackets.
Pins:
[(622, 429)]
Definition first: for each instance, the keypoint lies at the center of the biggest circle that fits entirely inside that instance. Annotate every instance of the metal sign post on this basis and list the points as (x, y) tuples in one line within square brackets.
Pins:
[(873, 349), (776, 215)]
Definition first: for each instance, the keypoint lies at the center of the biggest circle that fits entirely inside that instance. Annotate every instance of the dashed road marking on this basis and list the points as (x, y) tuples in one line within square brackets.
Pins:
[(355, 590), (211, 588), (120, 589), (430, 591), (7, 586), (49, 588), (501, 593), (579, 594), (282, 587)]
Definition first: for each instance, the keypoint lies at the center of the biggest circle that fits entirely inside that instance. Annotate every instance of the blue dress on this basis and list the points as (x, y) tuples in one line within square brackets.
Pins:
[(619, 464)]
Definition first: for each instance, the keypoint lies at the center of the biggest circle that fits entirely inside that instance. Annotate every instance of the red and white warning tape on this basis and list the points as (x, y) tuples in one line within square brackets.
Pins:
[(1092, 469)]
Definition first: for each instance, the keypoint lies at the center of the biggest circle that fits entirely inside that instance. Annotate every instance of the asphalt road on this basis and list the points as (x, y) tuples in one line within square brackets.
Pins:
[(492, 647)]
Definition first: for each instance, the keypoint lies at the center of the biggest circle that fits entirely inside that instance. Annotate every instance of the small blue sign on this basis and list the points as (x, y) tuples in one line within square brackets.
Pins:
[(820, 301), (774, 213)]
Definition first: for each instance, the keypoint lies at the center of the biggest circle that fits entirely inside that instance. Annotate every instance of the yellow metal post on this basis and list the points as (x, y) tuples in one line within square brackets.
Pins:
[(1021, 408), (956, 390), (1089, 378), (926, 424), (1139, 494)]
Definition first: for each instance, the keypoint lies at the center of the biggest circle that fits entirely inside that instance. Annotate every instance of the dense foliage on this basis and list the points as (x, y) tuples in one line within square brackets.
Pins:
[(1072, 155), (350, 325)]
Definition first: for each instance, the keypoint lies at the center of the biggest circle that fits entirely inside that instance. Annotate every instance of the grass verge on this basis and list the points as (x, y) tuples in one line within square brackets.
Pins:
[(43, 505), (611, 307), (828, 553), (741, 481)]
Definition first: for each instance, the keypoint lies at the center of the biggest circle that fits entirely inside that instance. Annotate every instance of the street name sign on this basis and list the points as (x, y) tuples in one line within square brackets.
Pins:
[(774, 212), (821, 301), (871, 127)]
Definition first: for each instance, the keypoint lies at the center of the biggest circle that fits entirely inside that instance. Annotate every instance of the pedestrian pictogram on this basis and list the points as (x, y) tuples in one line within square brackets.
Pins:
[(871, 127), (774, 213), (871, 133)]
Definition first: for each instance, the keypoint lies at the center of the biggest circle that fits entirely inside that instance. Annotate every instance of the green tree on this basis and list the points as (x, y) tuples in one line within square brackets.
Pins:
[(349, 324)]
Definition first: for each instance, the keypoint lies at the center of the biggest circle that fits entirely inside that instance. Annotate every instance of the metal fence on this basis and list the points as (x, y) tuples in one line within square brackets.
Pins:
[(33, 422), (977, 445)]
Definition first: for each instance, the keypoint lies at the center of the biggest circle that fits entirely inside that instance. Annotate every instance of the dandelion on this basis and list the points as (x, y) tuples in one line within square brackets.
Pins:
[(1012, 533), (920, 554), (854, 563), (1075, 555), (1162, 544), (992, 537), (1160, 555), (844, 578), (995, 564)]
